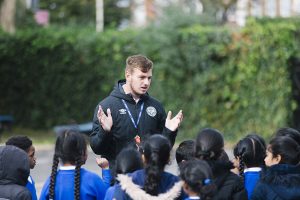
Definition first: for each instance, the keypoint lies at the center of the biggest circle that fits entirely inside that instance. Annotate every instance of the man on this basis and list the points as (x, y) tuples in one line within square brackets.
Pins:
[(14, 171), (129, 115), (24, 143)]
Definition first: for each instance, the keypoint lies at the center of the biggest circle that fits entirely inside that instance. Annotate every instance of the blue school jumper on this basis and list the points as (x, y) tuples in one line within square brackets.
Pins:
[(31, 187), (251, 175), (92, 187)]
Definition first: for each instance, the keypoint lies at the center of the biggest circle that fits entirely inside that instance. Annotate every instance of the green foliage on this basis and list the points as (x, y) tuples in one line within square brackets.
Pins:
[(237, 82), (83, 12)]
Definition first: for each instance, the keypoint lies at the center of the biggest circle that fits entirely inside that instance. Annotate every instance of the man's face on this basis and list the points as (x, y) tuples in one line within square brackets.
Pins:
[(31, 155), (138, 81)]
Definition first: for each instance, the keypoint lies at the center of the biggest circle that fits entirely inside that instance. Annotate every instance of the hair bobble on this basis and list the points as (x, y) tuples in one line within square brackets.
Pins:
[(207, 181)]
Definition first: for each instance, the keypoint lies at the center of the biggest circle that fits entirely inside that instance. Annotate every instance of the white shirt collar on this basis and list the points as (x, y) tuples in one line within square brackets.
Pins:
[(194, 197), (30, 179), (252, 169), (67, 167)]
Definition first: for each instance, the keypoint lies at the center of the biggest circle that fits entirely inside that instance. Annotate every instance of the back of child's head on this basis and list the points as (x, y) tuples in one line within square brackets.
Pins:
[(70, 148), (157, 154), (290, 132), (197, 176), (128, 161), (209, 144), (20, 141), (250, 151), (287, 148), (185, 151)]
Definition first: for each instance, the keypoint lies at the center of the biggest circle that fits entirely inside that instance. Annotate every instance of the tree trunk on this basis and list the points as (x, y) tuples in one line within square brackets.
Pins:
[(263, 8), (7, 15), (278, 8), (292, 8)]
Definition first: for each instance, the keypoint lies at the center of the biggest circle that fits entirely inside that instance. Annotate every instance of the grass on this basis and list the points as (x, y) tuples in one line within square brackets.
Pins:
[(38, 137)]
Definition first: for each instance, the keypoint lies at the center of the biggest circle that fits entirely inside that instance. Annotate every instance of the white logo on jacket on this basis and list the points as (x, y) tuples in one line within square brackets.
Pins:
[(151, 111), (122, 111)]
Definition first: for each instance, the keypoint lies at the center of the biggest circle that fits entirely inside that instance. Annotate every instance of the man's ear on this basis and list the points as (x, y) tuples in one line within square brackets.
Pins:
[(127, 73)]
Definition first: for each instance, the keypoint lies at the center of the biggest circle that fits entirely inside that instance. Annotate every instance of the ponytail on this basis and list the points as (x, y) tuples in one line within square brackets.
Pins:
[(53, 177), (157, 153), (77, 179)]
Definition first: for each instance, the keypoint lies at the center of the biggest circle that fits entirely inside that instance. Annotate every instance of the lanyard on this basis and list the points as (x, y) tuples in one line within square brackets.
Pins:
[(130, 115)]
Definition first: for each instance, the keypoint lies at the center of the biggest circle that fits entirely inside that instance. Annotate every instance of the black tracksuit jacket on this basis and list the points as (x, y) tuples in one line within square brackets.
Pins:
[(123, 132)]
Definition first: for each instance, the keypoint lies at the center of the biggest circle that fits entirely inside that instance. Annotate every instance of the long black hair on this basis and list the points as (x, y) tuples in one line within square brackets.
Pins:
[(157, 154), (198, 176), (128, 160), (290, 132), (250, 152), (70, 147), (209, 144)]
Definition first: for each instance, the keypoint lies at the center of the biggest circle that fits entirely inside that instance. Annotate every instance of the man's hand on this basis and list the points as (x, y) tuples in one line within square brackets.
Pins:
[(105, 121), (174, 123)]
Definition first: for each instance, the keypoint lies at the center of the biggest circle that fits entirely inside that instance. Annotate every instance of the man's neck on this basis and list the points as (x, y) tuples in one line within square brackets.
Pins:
[(127, 90)]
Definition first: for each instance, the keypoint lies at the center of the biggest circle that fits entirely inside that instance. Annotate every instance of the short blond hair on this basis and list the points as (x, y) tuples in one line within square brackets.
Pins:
[(140, 62)]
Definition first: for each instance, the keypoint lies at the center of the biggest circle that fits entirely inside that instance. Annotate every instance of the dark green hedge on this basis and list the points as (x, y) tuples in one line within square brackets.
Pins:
[(236, 81)]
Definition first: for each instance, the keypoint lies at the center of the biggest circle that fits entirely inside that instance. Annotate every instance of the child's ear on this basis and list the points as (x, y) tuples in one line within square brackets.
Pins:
[(277, 159), (185, 187)]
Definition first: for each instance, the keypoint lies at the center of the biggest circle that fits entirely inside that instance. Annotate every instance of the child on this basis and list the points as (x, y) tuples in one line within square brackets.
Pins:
[(197, 179), (185, 151), (71, 181), (24, 143), (14, 172), (151, 181), (249, 153), (127, 161), (210, 147), (281, 178)]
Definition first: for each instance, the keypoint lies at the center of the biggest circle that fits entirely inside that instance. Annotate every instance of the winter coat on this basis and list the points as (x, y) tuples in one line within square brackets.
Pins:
[(123, 132), (278, 182), (171, 188), (229, 185), (14, 171)]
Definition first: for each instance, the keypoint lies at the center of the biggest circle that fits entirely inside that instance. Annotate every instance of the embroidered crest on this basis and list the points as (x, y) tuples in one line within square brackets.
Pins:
[(122, 111), (151, 111)]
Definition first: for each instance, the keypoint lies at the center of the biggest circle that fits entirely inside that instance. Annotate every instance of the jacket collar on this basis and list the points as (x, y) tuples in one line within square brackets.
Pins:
[(137, 193)]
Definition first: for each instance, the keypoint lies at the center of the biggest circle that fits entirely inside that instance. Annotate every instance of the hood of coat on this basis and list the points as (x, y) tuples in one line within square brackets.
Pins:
[(14, 166), (220, 167), (282, 174), (118, 92), (137, 193), (283, 179)]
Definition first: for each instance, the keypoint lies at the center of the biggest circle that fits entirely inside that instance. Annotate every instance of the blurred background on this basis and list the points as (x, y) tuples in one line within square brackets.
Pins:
[(233, 65)]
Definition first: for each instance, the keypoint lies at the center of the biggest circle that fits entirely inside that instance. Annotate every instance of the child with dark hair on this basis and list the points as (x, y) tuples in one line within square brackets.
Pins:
[(71, 181), (210, 147), (152, 182), (127, 161), (25, 143), (185, 151), (197, 179), (250, 155), (281, 178), (14, 172)]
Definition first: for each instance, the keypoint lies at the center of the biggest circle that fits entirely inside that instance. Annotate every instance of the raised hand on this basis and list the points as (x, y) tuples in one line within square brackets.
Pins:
[(173, 123), (105, 120), (102, 162)]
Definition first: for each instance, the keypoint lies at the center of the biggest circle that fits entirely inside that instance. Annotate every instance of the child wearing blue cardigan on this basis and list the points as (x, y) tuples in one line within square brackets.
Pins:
[(71, 181)]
